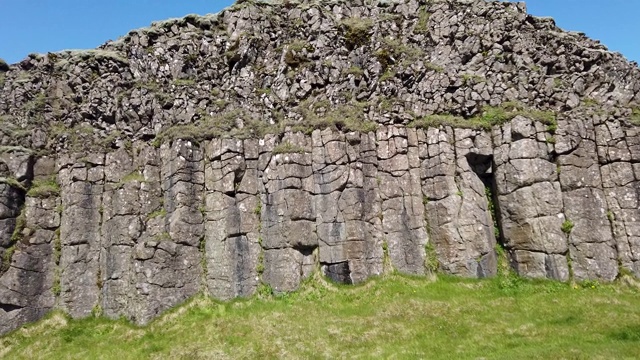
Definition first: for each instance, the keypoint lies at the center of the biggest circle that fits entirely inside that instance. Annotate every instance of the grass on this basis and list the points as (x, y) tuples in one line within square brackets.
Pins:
[(356, 31), (567, 226), (343, 117), (295, 53), (393, 51), (184, 82), (12, 182), (635, 116), (392, 317), (213, 126), (157, 213), (44, 188), (288, 148), (422, 24), (490, 116)]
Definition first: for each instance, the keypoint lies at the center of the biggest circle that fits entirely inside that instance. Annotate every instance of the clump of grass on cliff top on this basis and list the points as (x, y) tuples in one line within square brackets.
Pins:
[(224, 124), (391, 317), (323, 114), (489, 117)]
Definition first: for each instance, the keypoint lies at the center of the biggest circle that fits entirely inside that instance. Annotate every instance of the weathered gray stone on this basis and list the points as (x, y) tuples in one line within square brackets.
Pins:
[(457, 210)]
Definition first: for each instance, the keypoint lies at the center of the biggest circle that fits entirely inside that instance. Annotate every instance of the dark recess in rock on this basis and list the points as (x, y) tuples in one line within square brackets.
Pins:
[(338, 272)]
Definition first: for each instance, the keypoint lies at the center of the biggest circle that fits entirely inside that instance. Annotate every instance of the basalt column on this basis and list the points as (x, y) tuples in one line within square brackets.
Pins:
[(289, 235), (81, 178), (455, 199), (233, 209), (349, 221), (530, 200)]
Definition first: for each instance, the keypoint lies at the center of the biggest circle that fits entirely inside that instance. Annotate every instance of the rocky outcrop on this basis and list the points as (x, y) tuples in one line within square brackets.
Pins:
[(243, 151)]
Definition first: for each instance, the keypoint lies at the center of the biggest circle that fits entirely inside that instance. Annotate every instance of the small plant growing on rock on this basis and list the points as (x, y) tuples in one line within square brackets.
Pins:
[(422, 25), (558, 83), (134, 176), (165, 236), (356, 31), (355, 70), (184, 82), (258, 209), (434, 67), (288, 148), (260, 266), (13, 183), (567, 226), (393, 52), (295, 53), (508, 279), (635, 116), (44, 188), (431, 258), (157, 213), (471, 79), (590, 102), (265, 290)]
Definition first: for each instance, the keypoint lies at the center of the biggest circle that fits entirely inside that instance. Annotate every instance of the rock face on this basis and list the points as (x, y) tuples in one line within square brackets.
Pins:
[(248, 149)]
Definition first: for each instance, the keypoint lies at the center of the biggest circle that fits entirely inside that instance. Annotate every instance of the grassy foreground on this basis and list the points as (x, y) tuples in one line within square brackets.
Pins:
[(395, 317)]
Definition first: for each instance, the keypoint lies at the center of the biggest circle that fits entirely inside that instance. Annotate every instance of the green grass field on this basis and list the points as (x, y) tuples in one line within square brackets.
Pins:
[(395, 317)]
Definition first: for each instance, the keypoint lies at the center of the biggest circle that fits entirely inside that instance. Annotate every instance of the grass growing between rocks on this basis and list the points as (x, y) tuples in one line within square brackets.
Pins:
[(392, 317), (489, 117)]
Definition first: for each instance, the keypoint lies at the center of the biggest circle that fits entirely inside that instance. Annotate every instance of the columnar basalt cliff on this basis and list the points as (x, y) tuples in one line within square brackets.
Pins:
[(249, 148)]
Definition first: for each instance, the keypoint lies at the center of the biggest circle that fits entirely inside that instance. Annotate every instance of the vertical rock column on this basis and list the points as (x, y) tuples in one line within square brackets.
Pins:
[(457, 209), (167, 262), (591, 245), (27, 281), (233, 209), (348, 206), (82, 182), (121, 229), (11, 201), (530, 200), (133, 218), (289, 234), (15, 172), (403, 219), (619, 153)]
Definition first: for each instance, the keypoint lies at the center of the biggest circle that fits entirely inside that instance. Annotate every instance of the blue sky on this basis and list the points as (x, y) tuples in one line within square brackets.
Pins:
[(39, 26)]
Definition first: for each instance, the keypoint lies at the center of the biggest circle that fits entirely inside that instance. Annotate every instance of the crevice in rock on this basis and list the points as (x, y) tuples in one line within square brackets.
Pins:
[(10, 307), (483, 166), (202, 248), (305, 250), (338, 272)]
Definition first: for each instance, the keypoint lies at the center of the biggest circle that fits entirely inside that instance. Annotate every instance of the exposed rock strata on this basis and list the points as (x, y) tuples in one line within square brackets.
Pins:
[(218, 154)]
